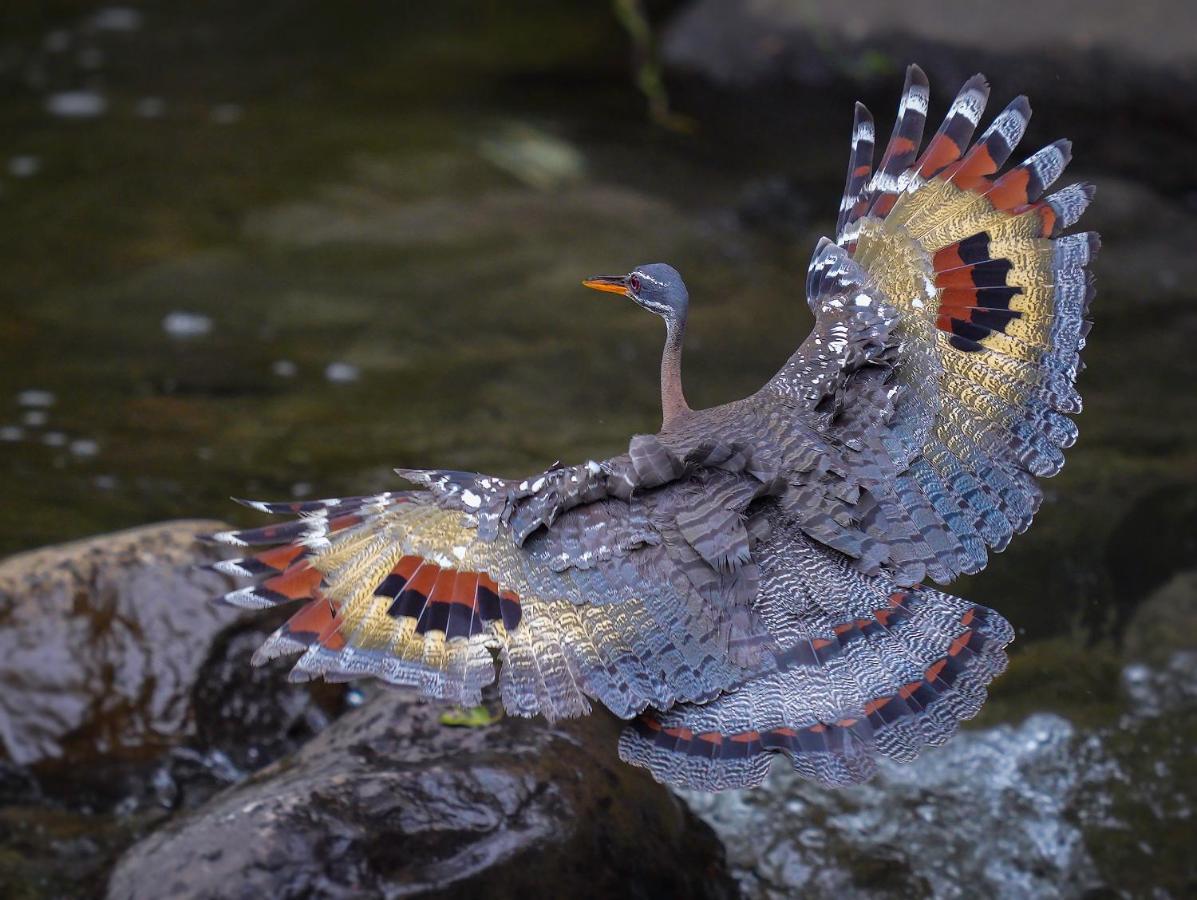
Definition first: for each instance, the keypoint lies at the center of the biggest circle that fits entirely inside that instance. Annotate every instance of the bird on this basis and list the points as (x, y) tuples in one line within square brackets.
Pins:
[(753, 580)]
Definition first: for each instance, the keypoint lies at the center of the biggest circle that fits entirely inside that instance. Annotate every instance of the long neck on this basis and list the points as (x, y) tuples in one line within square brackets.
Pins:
[(673, 400)]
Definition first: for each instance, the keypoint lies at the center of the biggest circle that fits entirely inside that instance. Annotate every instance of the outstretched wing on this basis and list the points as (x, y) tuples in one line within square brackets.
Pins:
[(932, 456), (628, 581)]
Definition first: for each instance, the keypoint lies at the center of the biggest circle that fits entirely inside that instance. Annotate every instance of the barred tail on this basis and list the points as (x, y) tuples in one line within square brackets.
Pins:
[(881, 671)]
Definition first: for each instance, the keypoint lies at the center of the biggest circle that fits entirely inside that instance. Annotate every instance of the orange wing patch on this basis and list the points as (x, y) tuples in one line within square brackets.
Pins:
[(456, 603)]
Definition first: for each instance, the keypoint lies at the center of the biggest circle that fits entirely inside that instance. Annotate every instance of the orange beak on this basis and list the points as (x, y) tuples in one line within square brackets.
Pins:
[(612, 284)]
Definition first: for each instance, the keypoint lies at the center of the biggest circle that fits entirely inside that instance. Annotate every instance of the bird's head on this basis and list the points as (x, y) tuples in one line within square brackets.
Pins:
[(657, 287)]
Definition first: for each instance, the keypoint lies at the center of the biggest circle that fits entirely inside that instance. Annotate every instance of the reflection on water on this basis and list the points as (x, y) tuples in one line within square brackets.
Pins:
[(278, 250)]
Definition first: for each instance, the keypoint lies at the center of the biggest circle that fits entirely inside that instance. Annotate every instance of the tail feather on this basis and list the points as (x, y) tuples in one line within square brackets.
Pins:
[(728, 743), (867, 669)]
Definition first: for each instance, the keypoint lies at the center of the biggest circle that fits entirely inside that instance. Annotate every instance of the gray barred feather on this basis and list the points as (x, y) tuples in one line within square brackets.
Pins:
[(811, 697)]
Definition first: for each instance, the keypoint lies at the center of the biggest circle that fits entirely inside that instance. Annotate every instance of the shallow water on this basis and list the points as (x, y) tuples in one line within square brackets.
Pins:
[(275, 253), (373, 262)]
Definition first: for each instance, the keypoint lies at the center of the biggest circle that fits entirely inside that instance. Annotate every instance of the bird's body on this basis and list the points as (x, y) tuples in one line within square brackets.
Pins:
[(749, 579)]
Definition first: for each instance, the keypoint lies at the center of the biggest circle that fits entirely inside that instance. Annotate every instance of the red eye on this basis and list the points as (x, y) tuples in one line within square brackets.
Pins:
[(634, 283)]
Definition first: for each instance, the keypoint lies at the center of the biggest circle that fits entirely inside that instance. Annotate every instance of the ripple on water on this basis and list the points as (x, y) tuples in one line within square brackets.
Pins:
[(76, 104), (186, 324), (57, 41), (226, 114), (84, 448), (36, 398), (342, 373), (24, 166), (149, 107), (116, 18)]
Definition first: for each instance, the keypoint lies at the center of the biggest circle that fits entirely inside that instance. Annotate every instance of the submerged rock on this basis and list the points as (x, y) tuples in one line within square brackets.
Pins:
[(391, 802)]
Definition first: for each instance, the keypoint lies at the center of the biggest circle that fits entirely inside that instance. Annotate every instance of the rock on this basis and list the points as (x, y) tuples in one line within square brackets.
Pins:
[(129, 703), (1155, 542), (111, 654), (393, 803), (100, 643), (744, 44), (1165, 622), (249, 716), (126, 696)]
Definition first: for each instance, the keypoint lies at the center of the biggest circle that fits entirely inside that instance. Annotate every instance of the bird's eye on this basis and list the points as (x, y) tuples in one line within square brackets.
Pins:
[(634, 284)]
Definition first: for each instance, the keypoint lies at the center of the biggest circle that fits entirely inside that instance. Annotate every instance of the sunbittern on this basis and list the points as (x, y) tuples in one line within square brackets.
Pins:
[(747, 581)]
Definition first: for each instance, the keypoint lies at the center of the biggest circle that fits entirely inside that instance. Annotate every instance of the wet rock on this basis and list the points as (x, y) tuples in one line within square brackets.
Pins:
[(252, 715), (1154, 541), (1083, 67), (241, 719), (127, 696), (1165, 623), (1044, 808), (747, 43), (113, 662), (392, 803), (100, 643)]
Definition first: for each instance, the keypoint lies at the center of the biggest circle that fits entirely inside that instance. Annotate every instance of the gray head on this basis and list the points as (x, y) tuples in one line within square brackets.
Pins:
[(656, 286)]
